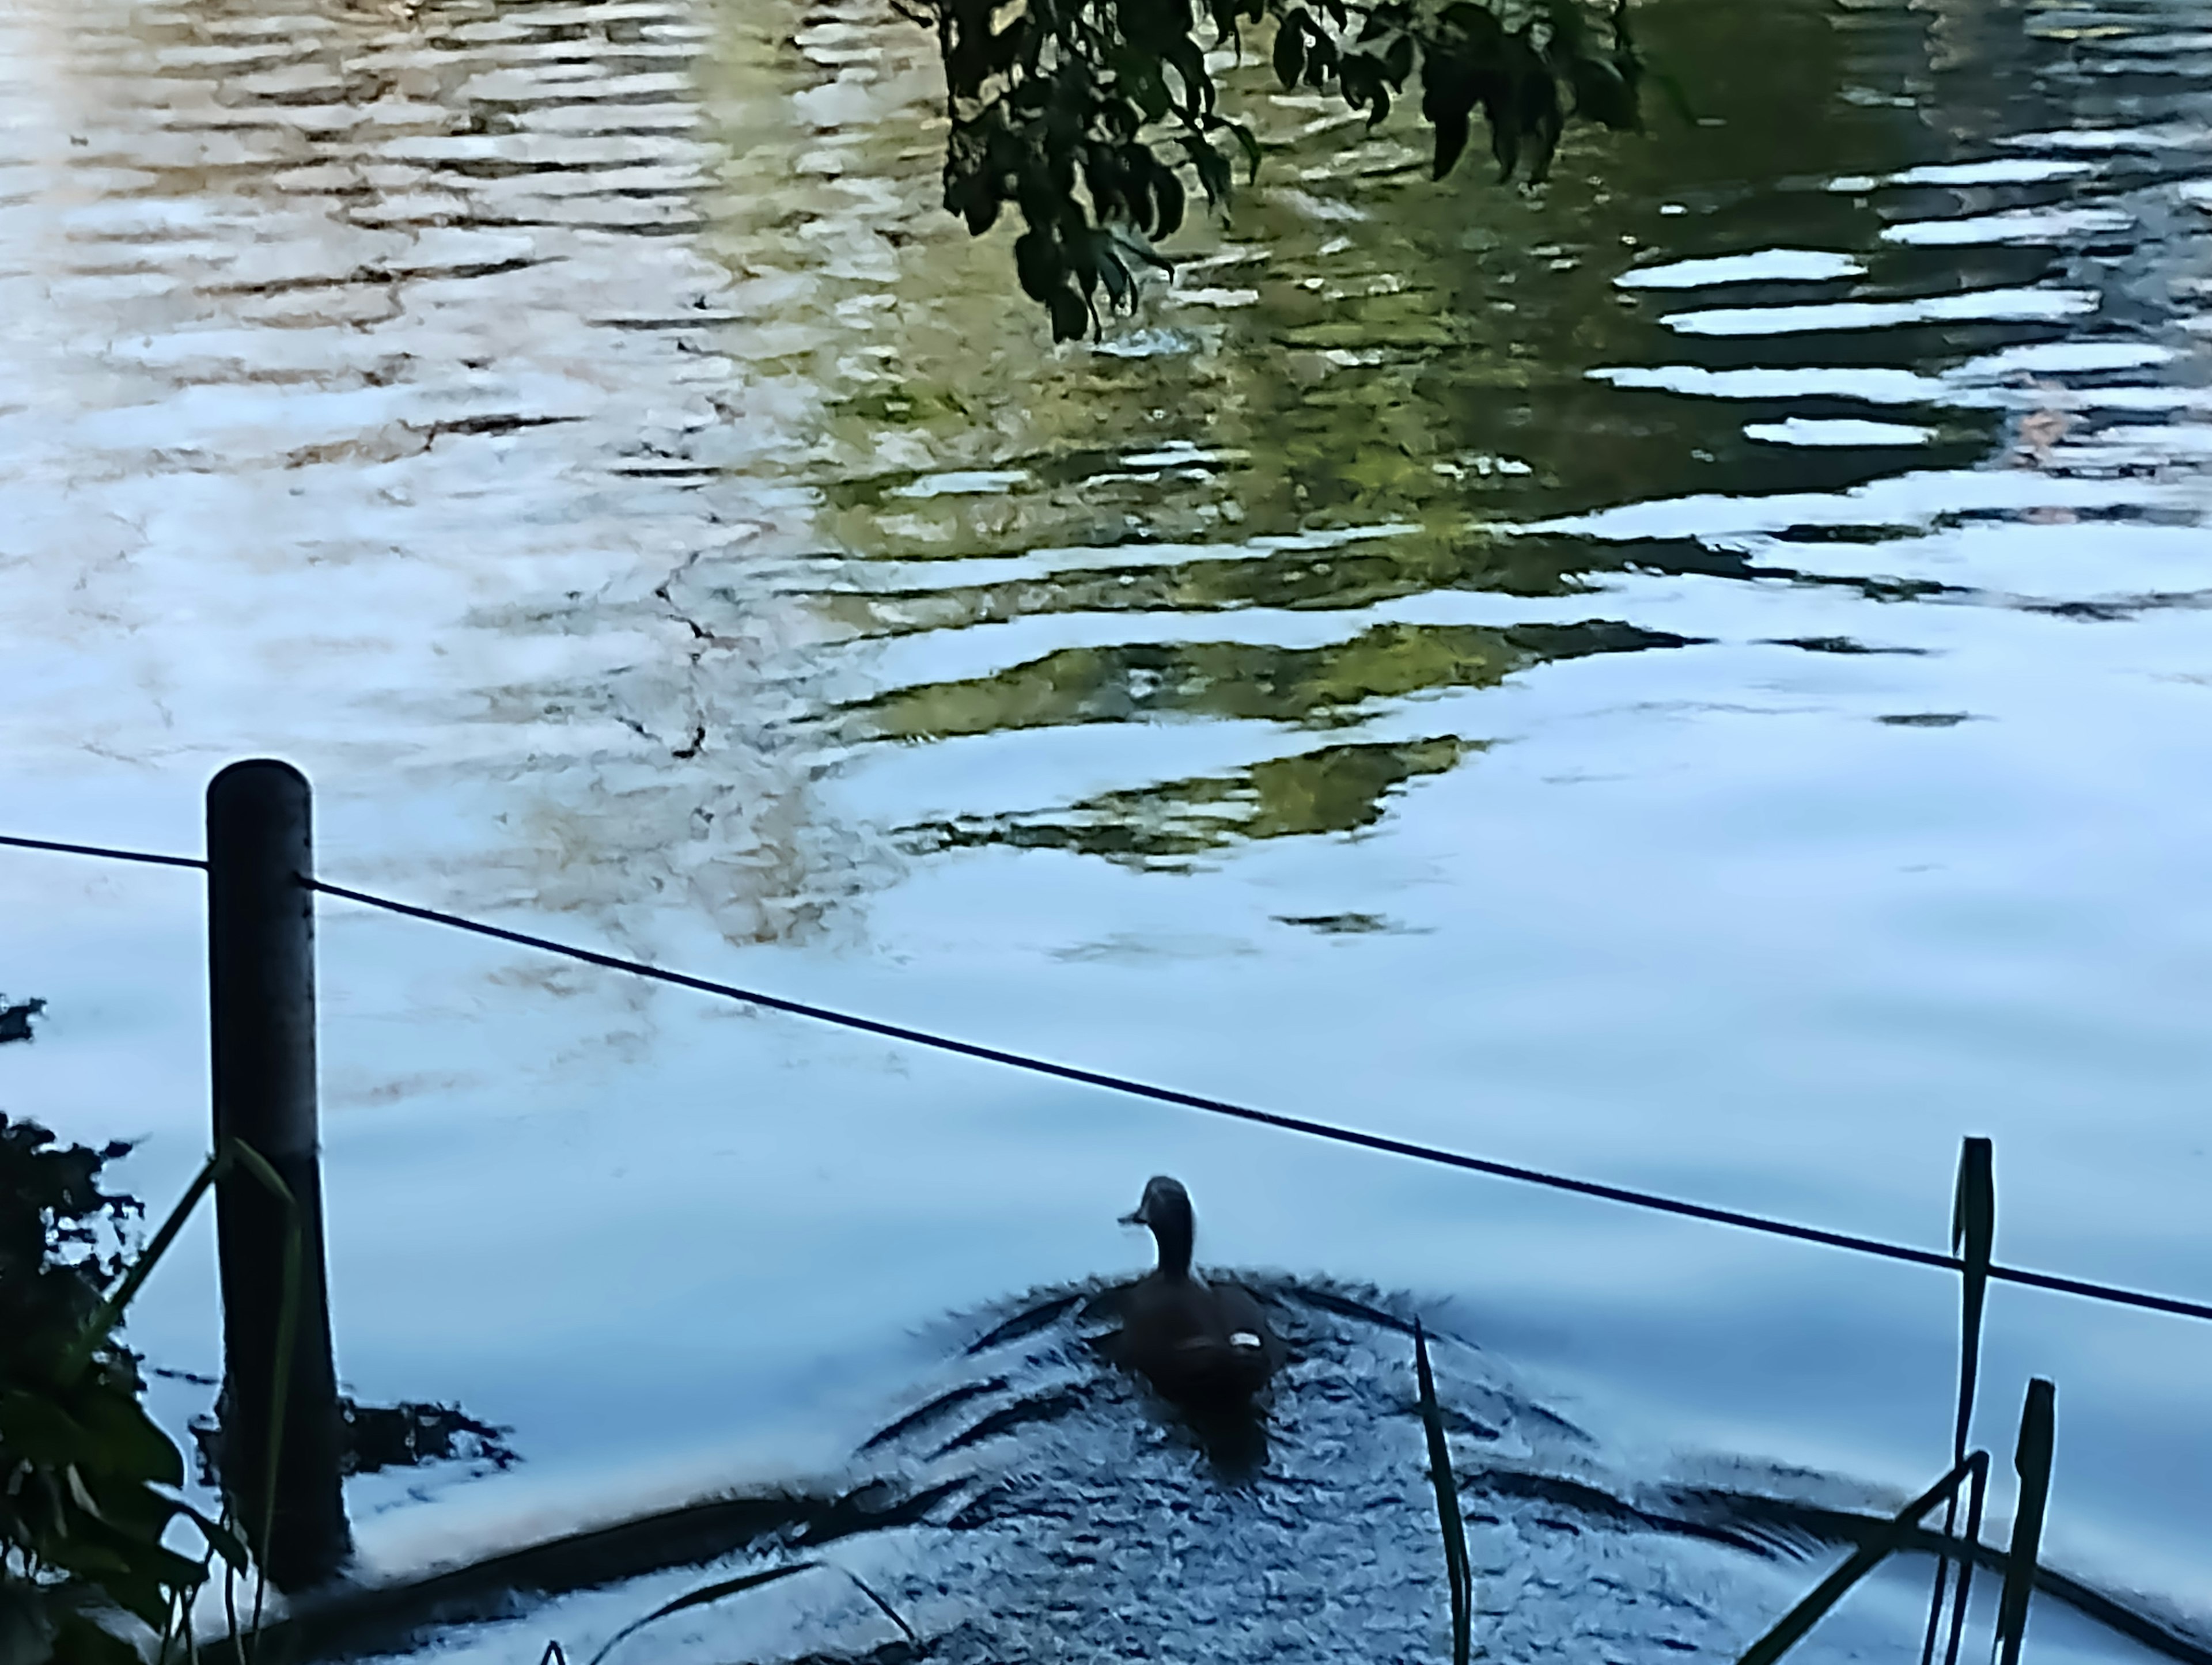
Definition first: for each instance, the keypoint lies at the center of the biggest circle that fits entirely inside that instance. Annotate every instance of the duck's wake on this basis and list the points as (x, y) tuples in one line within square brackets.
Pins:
[(1037, 1502)]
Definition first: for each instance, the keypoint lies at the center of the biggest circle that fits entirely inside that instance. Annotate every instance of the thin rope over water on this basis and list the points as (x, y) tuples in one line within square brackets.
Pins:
[(1358, 1137), (150, 858), (1364, 1140)]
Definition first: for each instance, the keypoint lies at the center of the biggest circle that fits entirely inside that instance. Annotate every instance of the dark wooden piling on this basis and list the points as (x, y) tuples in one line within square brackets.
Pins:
[(261, 997)]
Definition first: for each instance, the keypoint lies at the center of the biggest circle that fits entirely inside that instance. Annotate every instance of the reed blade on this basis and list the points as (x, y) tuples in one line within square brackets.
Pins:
[(2031, 1461), (1977, 1494), (1790, 1629), (1457, 1569), (1973, 1239), (110, 1311), (707, 1593), (700, 1598)]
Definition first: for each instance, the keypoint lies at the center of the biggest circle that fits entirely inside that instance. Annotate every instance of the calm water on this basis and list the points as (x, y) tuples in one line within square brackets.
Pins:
[(1694, 676)]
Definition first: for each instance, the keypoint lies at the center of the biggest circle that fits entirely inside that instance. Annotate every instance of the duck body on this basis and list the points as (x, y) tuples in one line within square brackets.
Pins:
[(1204, 1346)]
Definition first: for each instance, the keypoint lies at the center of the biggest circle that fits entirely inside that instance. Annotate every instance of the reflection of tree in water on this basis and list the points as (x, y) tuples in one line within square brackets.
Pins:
[(1357, 373), (1314, 580), (1331, 789), (1315, 687)]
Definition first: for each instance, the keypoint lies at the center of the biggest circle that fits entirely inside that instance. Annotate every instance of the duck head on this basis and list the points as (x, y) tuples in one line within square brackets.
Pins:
[(1165, 1211)]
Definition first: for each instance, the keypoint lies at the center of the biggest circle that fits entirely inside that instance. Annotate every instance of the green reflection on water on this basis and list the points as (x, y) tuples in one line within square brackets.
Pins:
[(1314, 687), (1360, 383), (1331, 789)]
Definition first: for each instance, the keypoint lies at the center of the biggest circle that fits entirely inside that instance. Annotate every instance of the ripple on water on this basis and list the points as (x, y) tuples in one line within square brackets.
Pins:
[(1036, 1502)]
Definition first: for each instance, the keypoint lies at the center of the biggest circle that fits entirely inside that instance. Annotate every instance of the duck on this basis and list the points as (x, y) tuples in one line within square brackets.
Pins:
[(1206, 1347)]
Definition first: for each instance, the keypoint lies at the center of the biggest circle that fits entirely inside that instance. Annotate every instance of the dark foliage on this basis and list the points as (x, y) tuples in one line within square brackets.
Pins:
[(1087, 116), (62, 1243), (84, 1472)]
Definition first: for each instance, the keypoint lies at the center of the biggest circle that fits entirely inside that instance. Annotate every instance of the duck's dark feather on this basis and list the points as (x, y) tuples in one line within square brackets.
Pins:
[(1197, 1343), (1204, 1346)]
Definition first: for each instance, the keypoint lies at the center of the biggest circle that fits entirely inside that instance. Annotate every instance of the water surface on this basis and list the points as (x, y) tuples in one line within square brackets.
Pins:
[(1692, 676)]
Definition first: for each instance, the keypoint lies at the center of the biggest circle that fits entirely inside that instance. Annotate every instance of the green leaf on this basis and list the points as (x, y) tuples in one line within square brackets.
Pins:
[(1038, 263), (36, 1430), (1451, 140), (1602, 93), (1321, 60), (129, 1442), (1168, 203), (1398, 60), (78, 1641), (220, 1539), (1250, 145), (1289, 54), (1474, 26), (1120, 290), (1146, 85), (1358, 79), (1070, 317), (1184, 57), (1211, 166)]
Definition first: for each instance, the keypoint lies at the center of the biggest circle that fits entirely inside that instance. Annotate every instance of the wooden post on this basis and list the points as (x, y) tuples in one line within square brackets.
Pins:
[(261, 999)]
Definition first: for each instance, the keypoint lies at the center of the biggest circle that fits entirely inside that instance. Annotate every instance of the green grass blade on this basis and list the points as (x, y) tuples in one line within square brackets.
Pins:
[(220, 1538), (1792, 1626), (1457, 1569), (1973, 1239), (882, 1606), (2032, 1462), (110, 1311), (736, 1586), (700, 1598), (1977, 1495)]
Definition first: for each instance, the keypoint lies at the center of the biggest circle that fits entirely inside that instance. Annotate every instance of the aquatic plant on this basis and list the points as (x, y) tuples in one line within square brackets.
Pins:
[(1973, 1239), (1457, 1569), (90, 1492), (721, 1589)]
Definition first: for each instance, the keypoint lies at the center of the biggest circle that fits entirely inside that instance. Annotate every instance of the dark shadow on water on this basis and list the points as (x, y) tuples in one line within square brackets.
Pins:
[(15, 1019), (412, 1434), (1035, 1501)]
